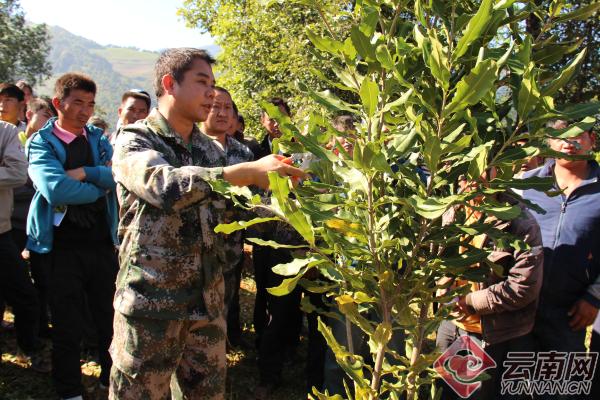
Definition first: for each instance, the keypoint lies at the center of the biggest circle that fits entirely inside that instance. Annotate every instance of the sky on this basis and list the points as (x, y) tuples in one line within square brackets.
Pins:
[(145, 24)]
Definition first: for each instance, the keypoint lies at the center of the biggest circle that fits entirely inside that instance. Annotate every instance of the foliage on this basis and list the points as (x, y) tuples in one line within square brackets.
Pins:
[(23, 47), (584, 32), (447, 87), (264, 51)]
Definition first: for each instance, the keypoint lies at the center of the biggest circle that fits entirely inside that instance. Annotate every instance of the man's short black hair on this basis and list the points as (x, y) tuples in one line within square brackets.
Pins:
[(279, 102), (176, 62), (41, 103), (10, 90), (137, 94), (73, 81)]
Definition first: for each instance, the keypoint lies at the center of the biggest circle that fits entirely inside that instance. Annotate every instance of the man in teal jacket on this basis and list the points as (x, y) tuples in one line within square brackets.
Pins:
[(72, 221)]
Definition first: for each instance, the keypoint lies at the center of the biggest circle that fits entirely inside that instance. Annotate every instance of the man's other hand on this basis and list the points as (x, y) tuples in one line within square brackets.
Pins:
[(582, 314)]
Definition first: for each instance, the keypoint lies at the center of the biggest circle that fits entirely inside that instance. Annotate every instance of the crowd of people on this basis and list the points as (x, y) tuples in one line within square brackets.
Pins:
[(107, 241)]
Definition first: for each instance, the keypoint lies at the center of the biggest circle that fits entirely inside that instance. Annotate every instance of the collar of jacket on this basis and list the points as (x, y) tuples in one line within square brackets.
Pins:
[(93, 133), (161, 126), (547, 171)]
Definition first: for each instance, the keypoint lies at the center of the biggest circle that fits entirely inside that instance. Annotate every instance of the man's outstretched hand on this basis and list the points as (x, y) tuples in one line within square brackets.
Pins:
[(255, 172)]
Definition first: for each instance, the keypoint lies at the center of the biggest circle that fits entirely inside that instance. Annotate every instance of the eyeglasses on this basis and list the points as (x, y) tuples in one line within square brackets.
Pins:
[(140, 91)]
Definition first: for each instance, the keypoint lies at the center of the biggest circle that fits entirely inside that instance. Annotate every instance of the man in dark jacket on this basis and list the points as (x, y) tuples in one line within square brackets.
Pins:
[(570, 228), (500, 311)]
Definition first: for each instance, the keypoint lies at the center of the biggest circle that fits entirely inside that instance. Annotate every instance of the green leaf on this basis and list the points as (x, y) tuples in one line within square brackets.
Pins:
[(286, 287), (369, 22), (474, 86), (369, 95), (382, 336), (432, 207), (524, 54), (349, 50), (554, 52), (570, 111), (291, 268), (273, 244), (398, 102), (565, 75), (324, 43), (503, 212), (573, 130), (515, 154), (534, 182), (475, 28), (294, 267), (327, 99), (239, 225), (580, 13), (479, 162), (401, 144), (438, 62), (385, 57), (280, 197), (350, 363), (529, 95), (362, 44)]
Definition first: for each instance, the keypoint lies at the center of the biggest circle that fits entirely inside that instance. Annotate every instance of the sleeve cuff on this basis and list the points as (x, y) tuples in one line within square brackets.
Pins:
[(478, 301), (92, 174), (591, 299)]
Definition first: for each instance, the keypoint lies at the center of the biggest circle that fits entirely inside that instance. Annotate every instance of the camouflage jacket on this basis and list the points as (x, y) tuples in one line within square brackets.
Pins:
[(217, 156), (171, 259)]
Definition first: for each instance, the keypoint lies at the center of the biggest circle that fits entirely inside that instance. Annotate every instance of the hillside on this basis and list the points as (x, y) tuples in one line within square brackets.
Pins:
[(115, 69)]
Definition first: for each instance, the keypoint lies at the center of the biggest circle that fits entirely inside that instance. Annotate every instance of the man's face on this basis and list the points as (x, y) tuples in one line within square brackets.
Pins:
[(270, 125), (194, 95), (220, 118), (579, 145), (38, 119), (76, 109), (132, 110), (10, 109)]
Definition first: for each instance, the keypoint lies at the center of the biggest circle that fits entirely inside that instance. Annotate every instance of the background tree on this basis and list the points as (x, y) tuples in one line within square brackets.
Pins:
[(449, 87), (580, 32), (24, 47), (265, 51)]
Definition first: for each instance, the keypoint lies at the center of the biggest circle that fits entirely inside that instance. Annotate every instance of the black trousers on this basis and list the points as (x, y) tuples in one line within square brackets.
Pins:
[(18, 291), (277, 319), (40, 272), (76, 271)]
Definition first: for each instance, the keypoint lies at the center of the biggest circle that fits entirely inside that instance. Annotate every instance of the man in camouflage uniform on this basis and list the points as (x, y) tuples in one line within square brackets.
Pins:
[(169, 327), (225, 150)]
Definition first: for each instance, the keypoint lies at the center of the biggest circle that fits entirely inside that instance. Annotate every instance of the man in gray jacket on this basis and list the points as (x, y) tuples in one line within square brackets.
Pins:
[(15, 285)]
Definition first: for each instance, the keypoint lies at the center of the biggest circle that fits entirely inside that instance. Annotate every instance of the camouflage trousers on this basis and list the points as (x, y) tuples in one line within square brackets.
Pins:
[(161, 359)]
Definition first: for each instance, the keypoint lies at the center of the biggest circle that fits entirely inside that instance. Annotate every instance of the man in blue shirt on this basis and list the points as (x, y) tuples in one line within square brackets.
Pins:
[(72, 222), (570, 228)]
